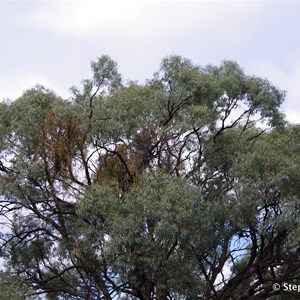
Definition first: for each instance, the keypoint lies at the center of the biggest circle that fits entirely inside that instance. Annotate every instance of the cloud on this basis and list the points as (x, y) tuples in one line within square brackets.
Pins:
[(12, 89), (139, 34), (81, 19), (284, 79), (86, 19)]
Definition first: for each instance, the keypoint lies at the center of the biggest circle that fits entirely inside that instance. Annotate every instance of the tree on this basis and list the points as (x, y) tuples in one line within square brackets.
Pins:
[(12, 288), (184, 187)]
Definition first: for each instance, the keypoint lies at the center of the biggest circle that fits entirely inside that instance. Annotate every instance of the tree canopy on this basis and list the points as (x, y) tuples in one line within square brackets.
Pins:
[(185, 186)]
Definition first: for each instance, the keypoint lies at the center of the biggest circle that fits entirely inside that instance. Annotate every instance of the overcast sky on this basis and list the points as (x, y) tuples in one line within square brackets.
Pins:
[(53, 42)]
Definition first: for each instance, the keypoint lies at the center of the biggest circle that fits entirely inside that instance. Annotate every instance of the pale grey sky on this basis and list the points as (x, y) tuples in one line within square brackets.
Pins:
[(53, 42)]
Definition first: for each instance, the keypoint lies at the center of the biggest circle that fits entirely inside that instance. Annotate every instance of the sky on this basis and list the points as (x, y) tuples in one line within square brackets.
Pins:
[(53, 42)]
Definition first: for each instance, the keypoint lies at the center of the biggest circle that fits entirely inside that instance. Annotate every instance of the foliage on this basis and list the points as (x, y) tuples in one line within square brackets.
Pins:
[(12, 288), (184, 187)]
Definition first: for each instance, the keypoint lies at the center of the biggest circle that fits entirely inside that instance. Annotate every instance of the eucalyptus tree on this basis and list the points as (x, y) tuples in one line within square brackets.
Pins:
[(183, 187), (13, 288)]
